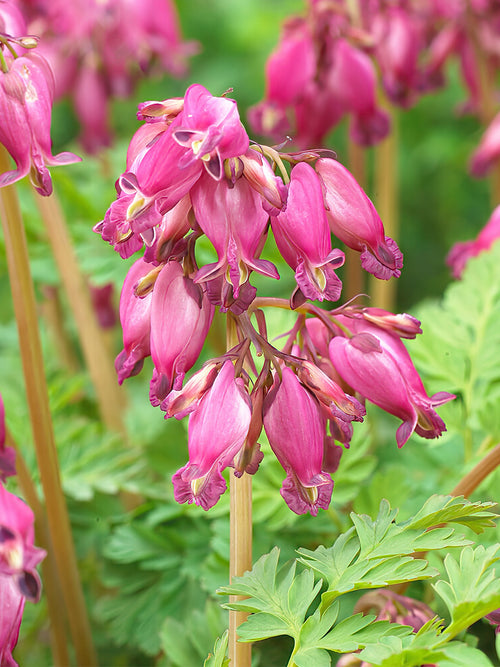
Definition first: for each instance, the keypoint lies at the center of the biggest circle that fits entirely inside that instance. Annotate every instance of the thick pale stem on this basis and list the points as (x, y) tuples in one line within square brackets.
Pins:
[(94, 345), (240, 544), (354, 281), (473, 479), (383, 292), (51, 583), (23, 297)]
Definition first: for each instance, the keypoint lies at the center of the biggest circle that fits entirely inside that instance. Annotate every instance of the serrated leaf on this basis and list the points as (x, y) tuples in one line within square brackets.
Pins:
[(473, 589), (459, 654), (376, 553), (312, 657), (279, 601), (410, 650), (355, 632), (218, 659)]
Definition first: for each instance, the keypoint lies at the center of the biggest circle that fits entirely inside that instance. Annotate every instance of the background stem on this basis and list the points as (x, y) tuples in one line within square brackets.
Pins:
[(110, 398), (23, 297), (383, 292)]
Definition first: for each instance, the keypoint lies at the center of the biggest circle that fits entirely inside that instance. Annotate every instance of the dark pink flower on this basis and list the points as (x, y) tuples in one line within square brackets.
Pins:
[(19, 579), (354, 220), (377, 365), (26, 94), (7, 454), (303, 238), (135, 318), (494, 618), (353, 78), (487, 153), (223, 212), (296, 431), (180, 318), (210, 130), (217, 430), (461, 252), (102, 301)]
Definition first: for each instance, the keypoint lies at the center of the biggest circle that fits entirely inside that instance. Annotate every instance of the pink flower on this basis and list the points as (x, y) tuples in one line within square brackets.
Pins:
[(494, 618), (102, 301), (26, 94), (353, 79), (19, 579), (303, 237), (217, 430), (296, 432), (223, 213), (211, 130), (180, 318), (354, 220), (487, 153), (377, 365), (135, 318), (92, 108), (7, 454), (461, 252)]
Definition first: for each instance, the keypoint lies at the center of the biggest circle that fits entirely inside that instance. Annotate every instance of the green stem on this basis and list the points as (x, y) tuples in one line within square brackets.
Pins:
[(23, 297)]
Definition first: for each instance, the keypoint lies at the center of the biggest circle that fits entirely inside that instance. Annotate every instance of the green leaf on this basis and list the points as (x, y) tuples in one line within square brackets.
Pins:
[(355, 632), (377, 553), (473, 589), (218, 659), (312, 657), (459, 654), (279, 601)]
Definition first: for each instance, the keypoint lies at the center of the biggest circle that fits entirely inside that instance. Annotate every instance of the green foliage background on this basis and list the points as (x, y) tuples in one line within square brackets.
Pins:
[(151, 567)]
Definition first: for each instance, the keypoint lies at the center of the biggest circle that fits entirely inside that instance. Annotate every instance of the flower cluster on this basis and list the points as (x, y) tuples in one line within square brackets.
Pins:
[(19, 580), (98, 50), (192, 171), (329, 64)]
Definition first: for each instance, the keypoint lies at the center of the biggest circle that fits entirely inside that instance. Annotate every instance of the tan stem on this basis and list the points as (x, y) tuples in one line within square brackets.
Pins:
[(23, 297), (53, 315), (473, 479), (354, 275), (383, 292), (51, 582), (110, 396), (240, 543)]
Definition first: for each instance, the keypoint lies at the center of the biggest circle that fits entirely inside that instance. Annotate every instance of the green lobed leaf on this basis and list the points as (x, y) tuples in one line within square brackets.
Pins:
[(218, 659), (473, 589), (376, 553), (279, 601)]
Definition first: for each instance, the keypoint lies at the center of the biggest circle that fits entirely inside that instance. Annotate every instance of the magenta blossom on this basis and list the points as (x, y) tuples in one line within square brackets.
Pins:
[(223, 213), (354, 220), (461, 252), (211, 130), (217, 431), (135, 317), (487, 153), (303, 237), (7, 454), (180, 319), (26, 94), (296, 432), (377, 365), (19, 579)]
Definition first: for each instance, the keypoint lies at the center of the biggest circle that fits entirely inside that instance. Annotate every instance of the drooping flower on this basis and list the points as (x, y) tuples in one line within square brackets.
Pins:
[(7, 454), (180, 318), (296, 431), (462, 251), (217, 430), (303, 237), (26, 95), (19, 580), (354, 220), (377, 365), (235, 222), (135, 318)]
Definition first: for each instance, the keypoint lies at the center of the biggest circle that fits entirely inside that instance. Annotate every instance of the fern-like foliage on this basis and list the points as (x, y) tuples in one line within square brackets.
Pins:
[(373, 553)]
